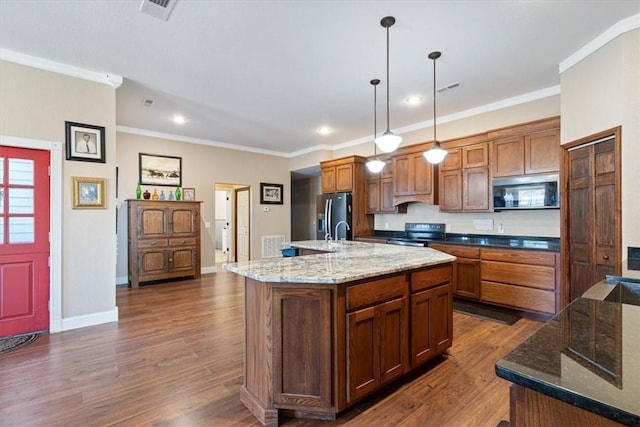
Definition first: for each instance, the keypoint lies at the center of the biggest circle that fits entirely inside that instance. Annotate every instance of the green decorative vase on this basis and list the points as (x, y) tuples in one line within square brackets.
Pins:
[(138, 191), (178, 194)]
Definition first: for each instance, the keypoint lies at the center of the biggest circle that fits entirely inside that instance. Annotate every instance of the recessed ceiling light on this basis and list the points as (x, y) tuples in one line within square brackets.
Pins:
[(178, 119), (324, 130), (414, 100)]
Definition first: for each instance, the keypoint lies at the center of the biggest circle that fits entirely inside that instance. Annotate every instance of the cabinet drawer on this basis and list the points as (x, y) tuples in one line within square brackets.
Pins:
[(606, 256), (519, 256), (516, 296), (184, 241), (377, 291), (153, 243), (535, 276), (431, 277), (458, 251)]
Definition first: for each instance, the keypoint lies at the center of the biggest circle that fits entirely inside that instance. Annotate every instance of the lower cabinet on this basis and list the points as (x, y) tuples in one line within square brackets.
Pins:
[(466, 269)]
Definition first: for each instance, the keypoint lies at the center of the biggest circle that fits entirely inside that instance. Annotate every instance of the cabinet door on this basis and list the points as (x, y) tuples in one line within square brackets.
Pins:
[(344, 177), (386, 195), (363, 355), (542, 152), (421, 174), (507, 156), (183, 221), (153, 261), (451, 191), (421, 329), (393, 329), (401, 176), (328, 179), (151, 222), (453, 160), (183, 259), (302, 350), (442, 318), (475, 155), (373, 196), (476, 189), (466, 282)]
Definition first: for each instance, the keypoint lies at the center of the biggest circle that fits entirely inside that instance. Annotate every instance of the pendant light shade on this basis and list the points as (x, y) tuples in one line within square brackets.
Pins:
[(435, 154), (388, 142), (375, 165)]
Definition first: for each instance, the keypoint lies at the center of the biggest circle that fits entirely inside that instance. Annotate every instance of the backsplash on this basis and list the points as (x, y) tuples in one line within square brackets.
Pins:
[(539, 223)]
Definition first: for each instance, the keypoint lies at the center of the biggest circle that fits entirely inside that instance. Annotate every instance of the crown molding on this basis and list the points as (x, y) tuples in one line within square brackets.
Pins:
[(628, 24), (113, 80)]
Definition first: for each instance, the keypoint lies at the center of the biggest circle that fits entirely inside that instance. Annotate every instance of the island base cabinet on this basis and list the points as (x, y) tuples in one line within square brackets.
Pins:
[(431, 323), (528, 408)]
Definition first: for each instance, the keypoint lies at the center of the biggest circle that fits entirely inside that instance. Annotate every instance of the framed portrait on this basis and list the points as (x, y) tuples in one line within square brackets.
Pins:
[(271, 194), (89, 193), (188, 194), (156, 169), (85, 143)]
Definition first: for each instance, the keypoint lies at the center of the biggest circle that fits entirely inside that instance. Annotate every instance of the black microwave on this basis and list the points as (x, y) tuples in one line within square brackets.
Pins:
[(526, 192)]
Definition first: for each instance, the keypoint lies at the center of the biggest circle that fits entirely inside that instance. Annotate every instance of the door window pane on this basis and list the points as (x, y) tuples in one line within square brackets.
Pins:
[(1, 200), (1, 170), (20, 171), (20, 200), (1, 230), (21, 230)]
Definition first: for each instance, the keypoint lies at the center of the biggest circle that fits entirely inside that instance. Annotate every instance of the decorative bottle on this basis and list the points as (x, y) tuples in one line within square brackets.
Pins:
[(171, 195), (162, 196), (178, 193), (146, 195), (155, 195), (138, 191)]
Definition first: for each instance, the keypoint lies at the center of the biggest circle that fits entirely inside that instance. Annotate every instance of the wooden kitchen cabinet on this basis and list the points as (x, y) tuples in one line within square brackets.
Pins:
[(466, 269), (532, 153), (431, 313), (164, 240), (379, 192), (337, 179), (466, 188), (414, 179), (377, 335), (522, 279)]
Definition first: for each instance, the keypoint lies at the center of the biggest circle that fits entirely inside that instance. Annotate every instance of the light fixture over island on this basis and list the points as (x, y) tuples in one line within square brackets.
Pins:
[(324, 331)]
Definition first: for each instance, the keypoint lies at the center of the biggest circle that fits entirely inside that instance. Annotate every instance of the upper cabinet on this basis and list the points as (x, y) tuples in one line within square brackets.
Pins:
[(337, 177), (379, 195), (526, 149), (414, 179)]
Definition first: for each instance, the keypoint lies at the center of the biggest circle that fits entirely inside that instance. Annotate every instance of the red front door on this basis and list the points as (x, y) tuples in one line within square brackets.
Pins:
[(24, 240)]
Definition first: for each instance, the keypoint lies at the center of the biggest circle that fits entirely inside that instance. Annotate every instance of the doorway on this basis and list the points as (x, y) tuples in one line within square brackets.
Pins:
[(27, 274), (243, 229), (232, 219), (591, 235)]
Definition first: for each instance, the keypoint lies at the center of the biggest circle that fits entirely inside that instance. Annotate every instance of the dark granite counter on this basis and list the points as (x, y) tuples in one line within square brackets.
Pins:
[(588, 355), (551, 244)]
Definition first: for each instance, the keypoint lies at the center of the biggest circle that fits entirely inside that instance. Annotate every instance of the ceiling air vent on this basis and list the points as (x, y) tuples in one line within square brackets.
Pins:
[(147, 102), (160, 9), (448, 87)]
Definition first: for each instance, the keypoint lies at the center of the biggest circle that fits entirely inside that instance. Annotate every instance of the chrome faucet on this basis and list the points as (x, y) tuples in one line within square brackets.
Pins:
[(337, 225), (327, 237)]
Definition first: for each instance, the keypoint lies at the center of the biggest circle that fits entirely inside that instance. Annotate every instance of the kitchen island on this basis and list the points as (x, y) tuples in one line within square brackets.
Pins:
[(324, 331), (583, 366)]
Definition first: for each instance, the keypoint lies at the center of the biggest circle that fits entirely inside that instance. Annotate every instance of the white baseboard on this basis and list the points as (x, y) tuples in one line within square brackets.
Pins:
[(89, 320), (122, 280), (209, 269)]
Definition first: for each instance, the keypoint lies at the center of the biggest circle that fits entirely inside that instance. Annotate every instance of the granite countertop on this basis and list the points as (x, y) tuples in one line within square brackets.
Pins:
[(588, 355), (343, 262), (551, 244)]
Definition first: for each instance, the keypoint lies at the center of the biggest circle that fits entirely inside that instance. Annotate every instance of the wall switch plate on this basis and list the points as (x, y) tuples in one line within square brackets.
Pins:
[(447, 228), (207, 224), (265, 209), (501, 228)]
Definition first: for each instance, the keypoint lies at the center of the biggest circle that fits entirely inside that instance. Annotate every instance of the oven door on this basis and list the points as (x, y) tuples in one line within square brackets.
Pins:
[(404, 242)]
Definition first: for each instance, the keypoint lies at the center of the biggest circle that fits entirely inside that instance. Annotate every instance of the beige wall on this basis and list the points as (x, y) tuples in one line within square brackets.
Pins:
[(601, 92), (203, 166), (35, 104)]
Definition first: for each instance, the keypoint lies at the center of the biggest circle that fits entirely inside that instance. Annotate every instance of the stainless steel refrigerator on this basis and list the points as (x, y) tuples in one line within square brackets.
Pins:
[(330, 210)]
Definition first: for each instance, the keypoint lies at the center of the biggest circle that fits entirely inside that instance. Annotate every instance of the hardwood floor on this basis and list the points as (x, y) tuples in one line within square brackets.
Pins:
[(176, 358)]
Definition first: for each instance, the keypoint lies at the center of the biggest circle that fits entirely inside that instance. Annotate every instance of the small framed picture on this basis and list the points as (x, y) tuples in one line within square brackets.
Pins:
[(155, 169), (188, 194), (271, 194), (85, 143), (89, 193)]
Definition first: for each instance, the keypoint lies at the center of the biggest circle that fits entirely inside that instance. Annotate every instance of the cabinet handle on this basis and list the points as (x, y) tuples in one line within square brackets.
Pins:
[(153, 243), (184, 241), (606, 257), (170, 259)]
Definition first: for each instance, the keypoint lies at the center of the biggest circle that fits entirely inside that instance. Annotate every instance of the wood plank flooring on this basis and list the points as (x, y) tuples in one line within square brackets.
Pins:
[(175, 358)]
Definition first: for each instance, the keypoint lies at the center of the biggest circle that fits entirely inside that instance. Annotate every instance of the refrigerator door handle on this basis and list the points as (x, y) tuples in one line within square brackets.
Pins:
[(326, 216), (329, 222)]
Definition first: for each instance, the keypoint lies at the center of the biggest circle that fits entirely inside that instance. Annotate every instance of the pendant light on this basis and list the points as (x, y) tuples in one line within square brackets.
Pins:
[(435, 154), (388, 142), (375, 165)]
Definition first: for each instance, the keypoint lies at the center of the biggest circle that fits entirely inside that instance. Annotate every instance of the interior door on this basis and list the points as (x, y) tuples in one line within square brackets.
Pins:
[(242, 225), (24, 240)]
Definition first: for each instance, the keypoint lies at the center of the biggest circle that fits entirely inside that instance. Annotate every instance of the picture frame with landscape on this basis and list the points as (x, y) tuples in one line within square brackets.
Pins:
[(271, 194), (156, 169), (84, 143), (89, 193)]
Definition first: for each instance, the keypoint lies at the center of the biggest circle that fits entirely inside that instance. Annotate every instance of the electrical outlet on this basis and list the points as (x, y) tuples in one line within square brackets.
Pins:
[(501, 228), (447, 228), (265, 209)]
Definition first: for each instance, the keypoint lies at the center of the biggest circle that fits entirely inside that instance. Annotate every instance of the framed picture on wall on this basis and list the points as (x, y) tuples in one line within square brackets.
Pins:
[(271, 194), (188, 194), (89, 193), (155, 169), (84, 143)]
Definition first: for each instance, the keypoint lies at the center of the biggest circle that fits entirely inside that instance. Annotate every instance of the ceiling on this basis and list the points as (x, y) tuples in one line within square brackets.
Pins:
[(264, 75)]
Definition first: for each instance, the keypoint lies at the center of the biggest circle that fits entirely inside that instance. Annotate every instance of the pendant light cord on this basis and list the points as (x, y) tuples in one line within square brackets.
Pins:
[(375, 122), (435, 141), (388, 79)]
